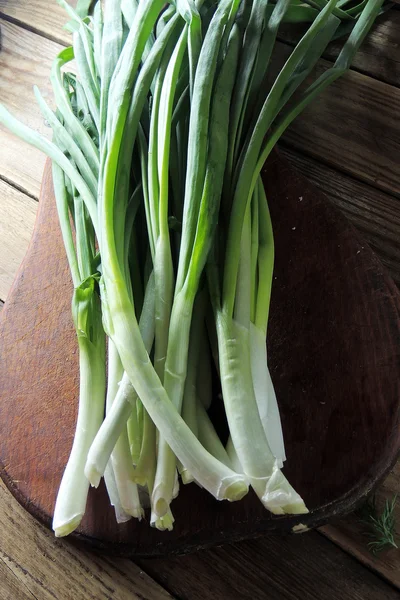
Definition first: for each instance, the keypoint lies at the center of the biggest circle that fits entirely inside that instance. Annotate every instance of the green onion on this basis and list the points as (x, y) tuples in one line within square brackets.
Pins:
[(158, 145)]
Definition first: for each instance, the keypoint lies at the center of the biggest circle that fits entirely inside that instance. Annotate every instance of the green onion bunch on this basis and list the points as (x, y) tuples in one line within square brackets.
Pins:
[(158, 144)]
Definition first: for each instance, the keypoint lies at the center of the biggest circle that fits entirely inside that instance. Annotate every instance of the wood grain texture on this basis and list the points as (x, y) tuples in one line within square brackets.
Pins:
[(18, 213), (44, 17), (350, 534), (375, 214), (333, 346), (379, 55), (352, 127), (47, 568), (25, 61), (10, 586), (305, 567)]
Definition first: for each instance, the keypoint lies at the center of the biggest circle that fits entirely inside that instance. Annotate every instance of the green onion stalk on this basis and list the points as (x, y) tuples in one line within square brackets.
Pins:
[(118, 309), (157, 150), (231, 304), (205, 165)]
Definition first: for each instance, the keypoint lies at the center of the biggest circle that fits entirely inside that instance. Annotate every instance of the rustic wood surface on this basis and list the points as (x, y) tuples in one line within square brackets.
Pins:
[(16, 224), (48, 568), (25, 61), (289, 568), (379, 55), (353, 188), (348, 533)]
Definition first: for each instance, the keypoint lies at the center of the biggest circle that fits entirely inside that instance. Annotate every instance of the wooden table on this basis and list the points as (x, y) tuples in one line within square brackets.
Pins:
[(349, 145)]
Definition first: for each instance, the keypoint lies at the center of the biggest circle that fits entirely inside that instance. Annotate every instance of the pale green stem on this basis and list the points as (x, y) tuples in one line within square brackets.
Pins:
[(233, 457), (72, 494), (218, 479), (174, 381), (120, 456), (209, 437), (204, 381), (189, 410), (135, 435), (109, 479), (122, 405), (263, 386), (259, 464)]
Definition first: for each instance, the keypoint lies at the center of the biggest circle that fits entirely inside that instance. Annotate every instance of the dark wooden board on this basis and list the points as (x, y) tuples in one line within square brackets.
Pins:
[(374, 214), (303, 567), (334, 349)]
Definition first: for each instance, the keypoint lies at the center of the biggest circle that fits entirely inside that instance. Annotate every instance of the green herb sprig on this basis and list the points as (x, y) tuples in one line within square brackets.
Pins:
[(381, 525)]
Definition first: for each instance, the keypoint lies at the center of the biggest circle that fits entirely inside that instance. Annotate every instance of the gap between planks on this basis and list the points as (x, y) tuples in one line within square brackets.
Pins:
[(25, 60), (32, 29), (17, 187), (18, 213), (11, 588), (379, 55)]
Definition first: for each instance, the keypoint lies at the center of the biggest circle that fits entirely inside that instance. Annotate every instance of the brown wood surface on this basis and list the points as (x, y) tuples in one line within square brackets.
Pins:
[(379, 55), (333, 337), (10, 588), (25, 61), (350, 534), (42, 567), (374, 213), (355, 113), (43, 17), (304, 567), (16, 224), (45, 568)]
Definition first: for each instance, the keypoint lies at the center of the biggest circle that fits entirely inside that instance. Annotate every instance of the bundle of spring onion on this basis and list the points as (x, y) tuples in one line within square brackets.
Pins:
[(158, 144)]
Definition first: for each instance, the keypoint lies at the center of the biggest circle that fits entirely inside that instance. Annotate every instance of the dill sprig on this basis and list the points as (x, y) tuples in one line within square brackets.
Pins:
[(381, 525)]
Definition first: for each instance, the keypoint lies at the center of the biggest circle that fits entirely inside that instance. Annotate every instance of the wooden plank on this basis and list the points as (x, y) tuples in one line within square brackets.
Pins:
[(10, 586), (54, 569), (25, 61), (306, 566), (353, 126), (375, 214), (349, 534), (45, 17), (18, 213), (379, 55)]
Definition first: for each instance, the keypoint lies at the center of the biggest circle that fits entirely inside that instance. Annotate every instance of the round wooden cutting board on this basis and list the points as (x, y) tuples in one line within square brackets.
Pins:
[(334, 349)]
